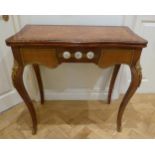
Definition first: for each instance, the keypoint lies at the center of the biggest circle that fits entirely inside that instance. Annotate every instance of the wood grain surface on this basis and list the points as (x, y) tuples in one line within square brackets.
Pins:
[(43, 56), (57, 35)]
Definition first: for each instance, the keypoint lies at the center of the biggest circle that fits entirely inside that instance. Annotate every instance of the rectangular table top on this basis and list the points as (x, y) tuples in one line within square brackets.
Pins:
[(60, 34)]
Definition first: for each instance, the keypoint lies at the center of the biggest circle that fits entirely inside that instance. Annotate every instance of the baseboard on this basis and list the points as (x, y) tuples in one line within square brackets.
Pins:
[(144, 87), (78, 95), (12, 98), (9, 100)]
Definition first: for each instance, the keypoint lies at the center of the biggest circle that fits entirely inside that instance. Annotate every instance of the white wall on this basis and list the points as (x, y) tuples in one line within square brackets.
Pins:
[(72, 19), (145, 27), (75, 81), (78, 81)]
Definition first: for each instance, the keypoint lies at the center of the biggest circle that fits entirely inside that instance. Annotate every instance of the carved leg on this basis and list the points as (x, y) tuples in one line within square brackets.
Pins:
[(38, 76), (112, 82), (17, 78), (136, 77)]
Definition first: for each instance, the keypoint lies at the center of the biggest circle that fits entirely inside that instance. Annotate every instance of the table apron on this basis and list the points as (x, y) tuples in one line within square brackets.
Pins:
[(52, 57)]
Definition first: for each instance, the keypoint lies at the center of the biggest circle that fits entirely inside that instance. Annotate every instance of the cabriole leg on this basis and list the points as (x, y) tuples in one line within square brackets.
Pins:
[(112, 82), (17, 78), (136, 77), (40, 84)]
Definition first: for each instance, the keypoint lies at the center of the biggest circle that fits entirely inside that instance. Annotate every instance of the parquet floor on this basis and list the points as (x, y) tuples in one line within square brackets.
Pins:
[(82, 119)]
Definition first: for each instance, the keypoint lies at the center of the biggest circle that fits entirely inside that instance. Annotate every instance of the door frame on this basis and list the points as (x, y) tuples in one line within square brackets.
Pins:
[(11, 97)]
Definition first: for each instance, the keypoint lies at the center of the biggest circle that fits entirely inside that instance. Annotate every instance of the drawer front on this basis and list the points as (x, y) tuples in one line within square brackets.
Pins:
[(79, 55), (43, 56), (51, 57), (112, 56)]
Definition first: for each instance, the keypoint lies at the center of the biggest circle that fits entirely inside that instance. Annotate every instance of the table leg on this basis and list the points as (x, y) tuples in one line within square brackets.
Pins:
[(17, 78), (112, 82), (38, 76), (136, 77)]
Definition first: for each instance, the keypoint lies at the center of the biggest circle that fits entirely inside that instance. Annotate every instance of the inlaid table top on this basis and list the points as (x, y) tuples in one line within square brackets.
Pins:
[(55, 35)]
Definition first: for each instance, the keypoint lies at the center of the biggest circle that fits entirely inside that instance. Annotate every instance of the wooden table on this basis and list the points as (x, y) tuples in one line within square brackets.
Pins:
[(52, 45)]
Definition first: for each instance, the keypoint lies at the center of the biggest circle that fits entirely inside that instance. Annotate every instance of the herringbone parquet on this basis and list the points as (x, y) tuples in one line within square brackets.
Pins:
[(82, 119)]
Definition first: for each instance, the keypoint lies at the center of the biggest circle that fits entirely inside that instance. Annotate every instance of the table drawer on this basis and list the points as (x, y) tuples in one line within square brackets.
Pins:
[(112, 56), (51, 57), (88, 55), (43, 56)]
